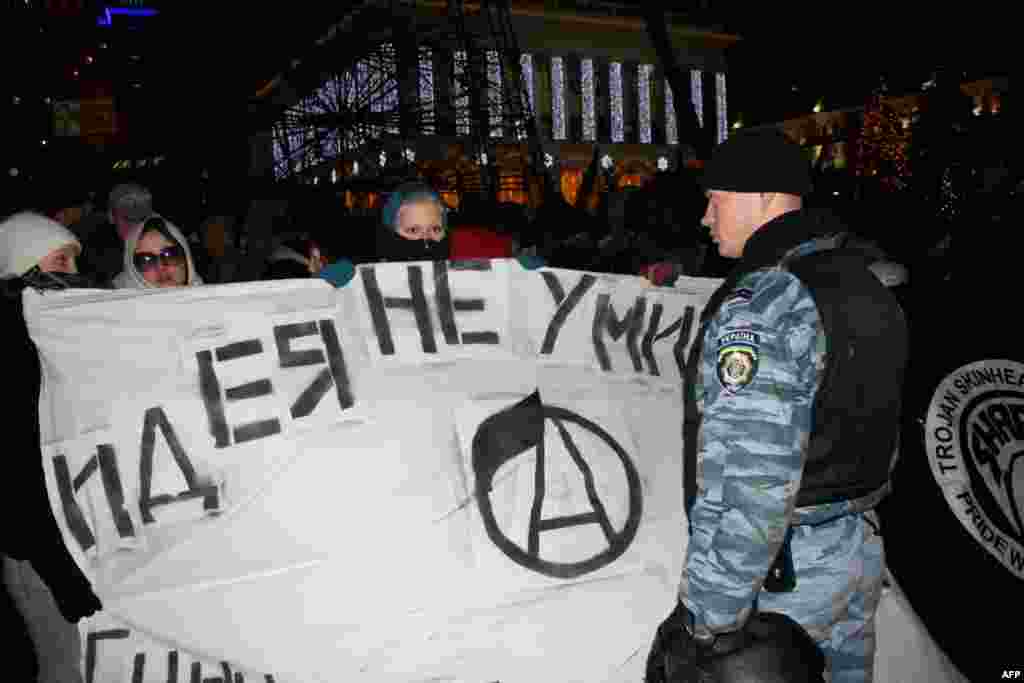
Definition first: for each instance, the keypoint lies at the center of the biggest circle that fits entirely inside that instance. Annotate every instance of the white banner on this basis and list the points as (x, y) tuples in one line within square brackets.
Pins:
[(443, 471)]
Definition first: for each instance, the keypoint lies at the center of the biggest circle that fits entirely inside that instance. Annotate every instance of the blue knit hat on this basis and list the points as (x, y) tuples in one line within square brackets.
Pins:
[(407, 193)]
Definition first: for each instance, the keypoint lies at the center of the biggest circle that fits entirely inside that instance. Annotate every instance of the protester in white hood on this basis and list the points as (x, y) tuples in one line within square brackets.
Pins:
[(37, 250), (158, 257)]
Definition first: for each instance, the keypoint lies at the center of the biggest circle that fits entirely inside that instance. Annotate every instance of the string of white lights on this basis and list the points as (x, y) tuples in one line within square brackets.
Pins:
[(643, 85), (671, 129), (615, 89), (495, 98), (557, 98), (426, 82), (697, 95), (589, 112)]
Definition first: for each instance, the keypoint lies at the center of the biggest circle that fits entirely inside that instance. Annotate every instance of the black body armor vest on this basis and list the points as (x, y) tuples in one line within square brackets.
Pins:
[(856, 410)]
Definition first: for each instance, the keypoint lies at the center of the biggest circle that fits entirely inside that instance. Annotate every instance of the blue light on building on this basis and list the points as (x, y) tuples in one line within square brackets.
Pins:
[(106, 18)]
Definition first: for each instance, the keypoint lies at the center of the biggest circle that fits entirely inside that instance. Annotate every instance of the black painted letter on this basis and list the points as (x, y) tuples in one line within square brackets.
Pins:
[(336, 372), (565, 304), (155, 417), (209, 386), (447, 307), (606, 321), (416, 302), (105, 461), (684, 325)]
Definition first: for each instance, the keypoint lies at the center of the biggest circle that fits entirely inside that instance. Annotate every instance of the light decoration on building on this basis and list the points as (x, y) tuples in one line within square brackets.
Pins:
[(589, 112), (383, 159), (372, 84), (410, 155), (461, 93), (106, 18), (325, 100), (721, 112), (671, 130), (662, 163), (607, 162), (643, 85), (483, 158), (334, 176), (426, 81), (549, 160), (615, 90), (697, 94), (526, 64), (387, 74), (557, 98), (495, 96)]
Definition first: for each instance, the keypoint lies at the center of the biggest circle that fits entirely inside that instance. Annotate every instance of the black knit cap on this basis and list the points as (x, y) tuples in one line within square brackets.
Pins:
[(758, 161)]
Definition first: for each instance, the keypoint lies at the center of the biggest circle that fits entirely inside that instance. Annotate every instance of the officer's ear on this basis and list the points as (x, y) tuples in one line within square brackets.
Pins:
[(766, 200)]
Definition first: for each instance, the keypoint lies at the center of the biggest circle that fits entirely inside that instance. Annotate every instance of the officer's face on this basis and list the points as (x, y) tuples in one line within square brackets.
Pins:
[(732, 217)]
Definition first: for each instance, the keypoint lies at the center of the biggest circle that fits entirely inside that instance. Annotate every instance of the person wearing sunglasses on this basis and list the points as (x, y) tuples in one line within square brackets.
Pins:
[(158, 257)]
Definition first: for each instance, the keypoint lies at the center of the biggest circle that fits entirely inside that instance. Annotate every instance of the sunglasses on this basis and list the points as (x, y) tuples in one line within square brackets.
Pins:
[(171, 256)]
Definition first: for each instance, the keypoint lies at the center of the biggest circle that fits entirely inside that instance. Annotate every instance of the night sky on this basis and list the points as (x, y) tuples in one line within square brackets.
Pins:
[(192, 67)]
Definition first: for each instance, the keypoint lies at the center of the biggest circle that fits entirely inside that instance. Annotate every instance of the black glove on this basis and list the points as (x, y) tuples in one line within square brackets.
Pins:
[(770, 648), (675, 655), (75, 598), (71, 590)]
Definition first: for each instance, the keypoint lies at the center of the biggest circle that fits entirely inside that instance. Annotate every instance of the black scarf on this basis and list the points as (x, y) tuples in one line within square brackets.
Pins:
[(41, 280), (392, 247)]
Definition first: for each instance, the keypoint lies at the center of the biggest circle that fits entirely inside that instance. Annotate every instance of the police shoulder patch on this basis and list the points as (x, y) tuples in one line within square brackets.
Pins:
[(738, 353)]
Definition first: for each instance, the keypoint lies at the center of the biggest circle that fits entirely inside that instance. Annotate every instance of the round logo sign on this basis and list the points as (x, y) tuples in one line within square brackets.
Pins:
[(975, 440)]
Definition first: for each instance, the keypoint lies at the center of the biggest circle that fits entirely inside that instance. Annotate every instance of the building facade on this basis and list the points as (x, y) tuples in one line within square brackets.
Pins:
[(413, 99)]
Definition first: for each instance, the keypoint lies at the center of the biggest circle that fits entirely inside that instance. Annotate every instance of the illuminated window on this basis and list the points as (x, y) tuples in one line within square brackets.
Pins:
[(720, 108), (615, 89), (461, 94), (671, 131), (426, 78), (558, 98), (643, 84), (697, 95), (495, 99), (587, 85)]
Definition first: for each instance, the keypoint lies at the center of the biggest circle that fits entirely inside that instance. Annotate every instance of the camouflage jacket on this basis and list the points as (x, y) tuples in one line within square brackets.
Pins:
[(761, 363)]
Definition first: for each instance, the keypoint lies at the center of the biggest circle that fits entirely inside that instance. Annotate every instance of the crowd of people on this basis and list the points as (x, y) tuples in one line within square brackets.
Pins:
[(782, 512)]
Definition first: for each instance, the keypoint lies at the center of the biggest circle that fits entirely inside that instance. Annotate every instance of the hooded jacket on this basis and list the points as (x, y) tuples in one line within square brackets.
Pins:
[(131, 278), (26, 238)]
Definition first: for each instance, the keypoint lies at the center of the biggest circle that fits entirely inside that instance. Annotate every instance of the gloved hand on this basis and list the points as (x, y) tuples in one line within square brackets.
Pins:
[(75, 598), (675, 655), (770, 648), (339, 273)]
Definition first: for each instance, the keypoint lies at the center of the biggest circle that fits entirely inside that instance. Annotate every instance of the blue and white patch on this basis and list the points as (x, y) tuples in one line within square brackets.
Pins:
[(740, 296), (738, 358)]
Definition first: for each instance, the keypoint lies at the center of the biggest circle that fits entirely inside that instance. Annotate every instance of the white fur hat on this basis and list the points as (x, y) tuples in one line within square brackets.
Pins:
[(26, 238)]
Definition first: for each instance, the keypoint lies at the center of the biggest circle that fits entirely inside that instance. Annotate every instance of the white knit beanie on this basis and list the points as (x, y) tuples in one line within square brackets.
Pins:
[(26, 238)]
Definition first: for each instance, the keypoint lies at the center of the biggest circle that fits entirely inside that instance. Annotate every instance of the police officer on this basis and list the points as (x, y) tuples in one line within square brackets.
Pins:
[(792, 420)]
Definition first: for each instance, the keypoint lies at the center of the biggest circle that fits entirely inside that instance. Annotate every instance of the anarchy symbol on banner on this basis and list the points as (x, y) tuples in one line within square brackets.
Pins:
[(515, 430)]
